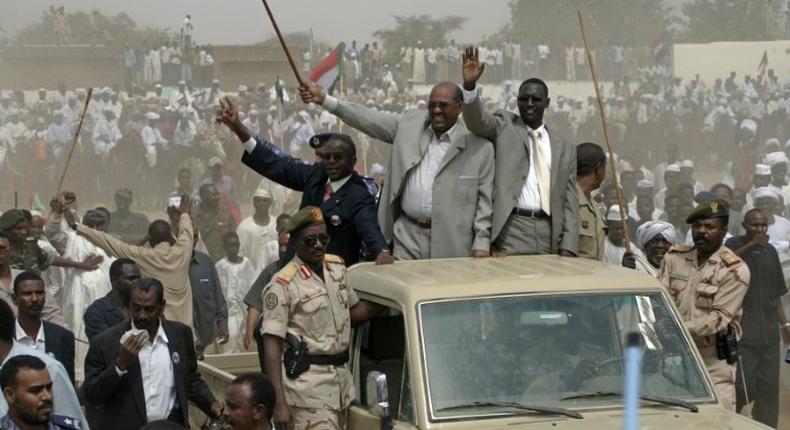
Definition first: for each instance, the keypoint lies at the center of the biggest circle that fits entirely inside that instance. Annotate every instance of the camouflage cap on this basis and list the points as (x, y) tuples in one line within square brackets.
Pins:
[(716, 208), (305, 217), (11, 218)]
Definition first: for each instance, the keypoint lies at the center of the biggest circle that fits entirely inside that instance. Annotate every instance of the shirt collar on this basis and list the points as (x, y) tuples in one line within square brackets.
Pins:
[(336, 185), (20, 332), (541, 130), (160, 333), (450, 134)]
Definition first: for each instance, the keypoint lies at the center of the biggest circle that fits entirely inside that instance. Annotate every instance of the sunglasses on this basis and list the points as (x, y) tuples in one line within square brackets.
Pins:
[(313, 240)]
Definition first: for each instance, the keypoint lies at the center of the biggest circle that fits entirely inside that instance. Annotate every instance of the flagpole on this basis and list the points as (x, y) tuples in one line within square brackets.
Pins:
[(280, 122), (342, 80)]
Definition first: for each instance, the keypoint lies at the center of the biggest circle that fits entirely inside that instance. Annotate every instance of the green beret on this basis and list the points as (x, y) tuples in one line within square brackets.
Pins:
[(11, 218), (307, 216), (717, 208)]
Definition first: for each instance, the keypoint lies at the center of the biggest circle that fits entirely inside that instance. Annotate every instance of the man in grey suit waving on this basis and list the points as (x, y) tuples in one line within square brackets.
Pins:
[(436, 201), (536, 209)]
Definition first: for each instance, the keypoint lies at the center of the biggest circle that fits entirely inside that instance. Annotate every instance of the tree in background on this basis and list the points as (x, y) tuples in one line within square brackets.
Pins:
[(408, 30), (625, 22), (720, 20), (91, 28)]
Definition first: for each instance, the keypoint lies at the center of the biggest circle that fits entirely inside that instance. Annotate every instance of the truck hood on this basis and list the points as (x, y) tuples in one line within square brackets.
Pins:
[(660, 418)]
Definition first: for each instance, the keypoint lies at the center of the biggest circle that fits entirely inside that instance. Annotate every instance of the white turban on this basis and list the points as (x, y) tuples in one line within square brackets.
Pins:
[(750, 125), (765, 193), (673, 168), (762, 169), (775, 158), (613, 214), (687, 163), (649, 230), (644, 183)]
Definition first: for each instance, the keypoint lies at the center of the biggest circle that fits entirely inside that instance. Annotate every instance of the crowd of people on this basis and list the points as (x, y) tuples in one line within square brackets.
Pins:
[(122, 308)]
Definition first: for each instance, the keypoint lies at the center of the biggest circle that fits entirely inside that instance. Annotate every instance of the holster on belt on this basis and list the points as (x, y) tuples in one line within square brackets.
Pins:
[(727, 345), (297, 358)]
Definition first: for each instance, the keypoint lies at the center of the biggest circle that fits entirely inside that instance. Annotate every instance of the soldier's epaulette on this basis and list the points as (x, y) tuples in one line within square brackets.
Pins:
[(286, 274), (729, 258), (65, 422), (332, 258), (680, 248)]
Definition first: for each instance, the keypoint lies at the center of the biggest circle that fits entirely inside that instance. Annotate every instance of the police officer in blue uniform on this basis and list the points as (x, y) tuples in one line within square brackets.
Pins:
[(344, 196), (27, 390)]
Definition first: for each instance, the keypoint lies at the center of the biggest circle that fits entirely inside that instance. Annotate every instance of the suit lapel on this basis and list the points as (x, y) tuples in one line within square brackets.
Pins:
[(455, 146), (135, 376), (337, 196), (554, 143), (173, 346), (49, 338)]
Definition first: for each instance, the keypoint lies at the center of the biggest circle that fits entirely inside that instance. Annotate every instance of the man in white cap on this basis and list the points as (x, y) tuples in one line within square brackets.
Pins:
[(59, 134), (779, 164), (614, 251), (252, 122), (767, 199), (687, 176), (760, 179), (180, 97), (671, 180), (106, 134), (156, 94), (304, 131), (212, 95), (152, 138), (258, 232), (655, 238)]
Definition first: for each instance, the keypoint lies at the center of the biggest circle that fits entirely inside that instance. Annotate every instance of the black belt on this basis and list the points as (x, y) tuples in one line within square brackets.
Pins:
[(329, 360), (421, 224), (538, 213)]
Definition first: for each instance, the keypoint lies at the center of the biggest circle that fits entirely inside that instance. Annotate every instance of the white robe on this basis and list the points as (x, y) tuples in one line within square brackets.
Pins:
[(236, 280), (80, 289), (613, 254), (258, 243)]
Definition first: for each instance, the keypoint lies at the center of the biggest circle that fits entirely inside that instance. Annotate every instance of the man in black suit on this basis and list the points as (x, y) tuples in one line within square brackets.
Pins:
[(349, 207), (144, 369), (29, 297)]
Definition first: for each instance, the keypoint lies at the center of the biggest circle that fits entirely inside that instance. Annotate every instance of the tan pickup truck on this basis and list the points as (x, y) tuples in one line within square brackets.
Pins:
[(518, 342)]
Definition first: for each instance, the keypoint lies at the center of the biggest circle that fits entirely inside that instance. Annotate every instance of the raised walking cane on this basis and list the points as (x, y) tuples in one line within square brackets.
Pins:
[(282, 43), (74, 143), (618, 192)]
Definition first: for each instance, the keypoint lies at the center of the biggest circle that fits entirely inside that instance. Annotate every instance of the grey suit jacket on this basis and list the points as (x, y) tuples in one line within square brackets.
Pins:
[(462, 188), (511, 140)]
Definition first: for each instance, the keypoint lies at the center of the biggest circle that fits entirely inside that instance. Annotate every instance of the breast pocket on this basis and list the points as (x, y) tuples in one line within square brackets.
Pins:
[(466, 189), (677, 284), (705, 294), (314, 315)]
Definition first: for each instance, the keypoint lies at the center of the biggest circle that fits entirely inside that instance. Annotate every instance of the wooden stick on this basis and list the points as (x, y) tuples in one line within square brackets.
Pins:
[(74, 143), (282, 42), (612, 162)]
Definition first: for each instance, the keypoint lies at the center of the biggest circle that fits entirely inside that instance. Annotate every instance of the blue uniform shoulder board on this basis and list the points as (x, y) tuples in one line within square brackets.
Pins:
[(64, 422)]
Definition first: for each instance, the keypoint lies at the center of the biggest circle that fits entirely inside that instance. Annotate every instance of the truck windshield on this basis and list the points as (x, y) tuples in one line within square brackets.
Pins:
[(551, 351)]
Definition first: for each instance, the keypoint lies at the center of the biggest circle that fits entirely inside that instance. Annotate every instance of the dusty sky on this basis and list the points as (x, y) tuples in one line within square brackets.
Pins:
[(245, 21)]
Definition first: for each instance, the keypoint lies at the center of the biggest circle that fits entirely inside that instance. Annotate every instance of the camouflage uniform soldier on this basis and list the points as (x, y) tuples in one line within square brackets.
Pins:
[(25, 252), (708, 283), (309, 305)]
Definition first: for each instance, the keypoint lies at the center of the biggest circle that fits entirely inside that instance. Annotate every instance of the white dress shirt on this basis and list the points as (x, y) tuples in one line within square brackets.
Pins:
[(159, 384), (530, 196), (38, 343), (417, 198)]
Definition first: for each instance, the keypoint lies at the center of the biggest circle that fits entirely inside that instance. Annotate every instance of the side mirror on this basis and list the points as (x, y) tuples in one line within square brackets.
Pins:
[(378, 398)]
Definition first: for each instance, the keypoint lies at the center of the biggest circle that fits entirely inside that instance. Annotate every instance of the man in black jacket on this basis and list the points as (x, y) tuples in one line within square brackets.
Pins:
[(29, 297), (348, 206), (144, 369)]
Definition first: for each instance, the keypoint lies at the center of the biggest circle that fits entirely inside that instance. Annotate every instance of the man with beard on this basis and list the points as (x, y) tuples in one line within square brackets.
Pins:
[(763, 314), (614, 250), (437, 195), (27, 389), (655, 238), (144, 369), (707, 283)]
